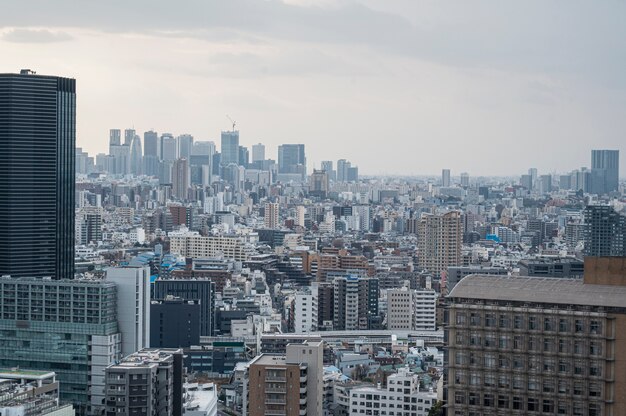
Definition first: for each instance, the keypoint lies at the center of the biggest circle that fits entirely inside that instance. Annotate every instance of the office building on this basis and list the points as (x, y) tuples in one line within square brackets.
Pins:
[(174, 323), (258, 152), (292, 159), (37, 197), (290, 384), (604, 171), (270, 216), (342, 170), (230, 148), (148, 382), (465, 179), (129, 135), (197, 290), (136, 156), (353, 174), (244, 156), (180, 179), (115, 138), (203, 148), (402, 396), (439, 241), (89, 225), (527, 345), (445, 178), (318, 186), (305, 312), (133, 305), (185, 146), (327, 166), (604, 232), (66, 326), (31, 393), (151, 143), (569, 267), (411, 309), (169, 148)]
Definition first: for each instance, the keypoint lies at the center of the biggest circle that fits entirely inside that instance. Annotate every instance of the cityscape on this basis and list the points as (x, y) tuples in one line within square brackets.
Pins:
[(156, 272)]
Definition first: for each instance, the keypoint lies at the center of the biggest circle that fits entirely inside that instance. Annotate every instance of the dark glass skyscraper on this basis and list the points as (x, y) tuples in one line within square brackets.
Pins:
[(38, 140), (605, 231), (604, 171)]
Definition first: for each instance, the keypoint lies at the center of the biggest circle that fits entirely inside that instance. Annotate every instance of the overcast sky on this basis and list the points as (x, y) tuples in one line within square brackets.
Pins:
[(397, 87)]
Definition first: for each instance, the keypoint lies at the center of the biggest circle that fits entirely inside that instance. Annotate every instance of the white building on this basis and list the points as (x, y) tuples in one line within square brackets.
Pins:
[(411, 309), (402, 397), (191, 244), (270, 215), (305, 312), (133, 306)]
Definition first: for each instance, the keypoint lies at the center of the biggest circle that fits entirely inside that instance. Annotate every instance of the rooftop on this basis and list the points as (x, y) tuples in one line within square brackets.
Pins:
[(539, 290)]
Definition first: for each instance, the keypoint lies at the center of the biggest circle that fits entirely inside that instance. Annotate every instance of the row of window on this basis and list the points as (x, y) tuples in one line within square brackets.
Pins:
[(531, 384), (531, 404), (530, 323), (530, 343)]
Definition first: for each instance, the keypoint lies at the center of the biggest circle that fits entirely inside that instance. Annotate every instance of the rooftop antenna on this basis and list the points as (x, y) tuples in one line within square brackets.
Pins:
[(232, 121)]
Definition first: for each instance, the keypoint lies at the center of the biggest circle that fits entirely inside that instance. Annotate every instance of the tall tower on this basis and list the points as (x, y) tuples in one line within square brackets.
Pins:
[(271, 215), (38, 138), (605, 170), (230, 147), (445, 178), (180, 179), (439, 241), (258, 152)]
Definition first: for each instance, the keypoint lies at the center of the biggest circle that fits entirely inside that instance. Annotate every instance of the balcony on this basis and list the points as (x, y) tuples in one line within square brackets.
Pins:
[(275, 401), (275, 379)]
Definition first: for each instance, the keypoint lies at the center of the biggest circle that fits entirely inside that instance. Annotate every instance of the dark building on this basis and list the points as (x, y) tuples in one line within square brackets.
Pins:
[(38, 139), (174, 323), (605, 231), (202, 291), (224, 319), (219, 356), (551, 267), (291, 159)]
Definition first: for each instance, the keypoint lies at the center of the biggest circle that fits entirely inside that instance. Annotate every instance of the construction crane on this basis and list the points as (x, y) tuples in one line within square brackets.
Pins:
[(232, 121)]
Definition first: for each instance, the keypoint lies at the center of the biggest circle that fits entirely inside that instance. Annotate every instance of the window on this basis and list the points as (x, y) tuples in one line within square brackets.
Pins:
[(460, 318), (459, 397), (473, 399), (475, 319), (503, 402), (548, 406), (517, 322), (563, 325), (490, 320), (548, 324), (533, 405), (488, 400), (595, 348), (578, 326), (504, 321), (532, 323), (517, 403), (595, 327)]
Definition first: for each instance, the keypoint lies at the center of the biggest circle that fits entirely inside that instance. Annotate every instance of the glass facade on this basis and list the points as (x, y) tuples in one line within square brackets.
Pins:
[(50, 324), (38, 140)]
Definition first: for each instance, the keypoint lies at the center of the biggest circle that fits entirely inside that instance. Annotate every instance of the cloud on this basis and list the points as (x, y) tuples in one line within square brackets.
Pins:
[(35, 36)]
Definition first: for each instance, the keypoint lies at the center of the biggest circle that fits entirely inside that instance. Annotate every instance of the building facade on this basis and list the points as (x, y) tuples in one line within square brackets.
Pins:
[(37, 168)]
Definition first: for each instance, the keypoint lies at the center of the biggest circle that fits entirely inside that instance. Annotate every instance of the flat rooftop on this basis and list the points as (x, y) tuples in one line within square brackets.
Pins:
[(539, 290), (12, 374)]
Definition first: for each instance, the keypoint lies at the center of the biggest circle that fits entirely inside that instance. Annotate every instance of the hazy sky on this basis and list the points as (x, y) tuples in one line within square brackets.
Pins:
[(405, 86)]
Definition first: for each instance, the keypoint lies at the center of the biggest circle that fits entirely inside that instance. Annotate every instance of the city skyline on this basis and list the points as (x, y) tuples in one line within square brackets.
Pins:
[(325, 80)]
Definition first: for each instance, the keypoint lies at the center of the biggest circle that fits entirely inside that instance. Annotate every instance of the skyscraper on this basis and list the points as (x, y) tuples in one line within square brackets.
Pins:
[(327, 165), (151, 153), (291, 159), (169, 148), (180, 179), (129, 135), (258, 152), (605, 231), (604, 171), (318, 185), (439, 241), (185, 145), (136, 157), (38, 138), (230, 147), (114, 138), (445, 178), (342, 170)]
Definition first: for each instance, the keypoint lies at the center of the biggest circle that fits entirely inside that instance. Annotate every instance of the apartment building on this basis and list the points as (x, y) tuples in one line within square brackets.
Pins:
[(411, 309), (290, 384), (439, 241), (192, 244)]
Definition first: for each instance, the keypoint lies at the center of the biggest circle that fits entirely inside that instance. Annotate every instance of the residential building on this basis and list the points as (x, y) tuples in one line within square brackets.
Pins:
[(193, 245), (180, 179), (355, 302), (439, 241), (290, 384), (413, 310), (605, 231), (31, 393), (445, 178), (402, 396), (270, 216), (148, 382), (37, 175)]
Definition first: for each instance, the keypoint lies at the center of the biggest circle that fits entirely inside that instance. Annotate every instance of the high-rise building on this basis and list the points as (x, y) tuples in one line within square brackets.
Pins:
[(270, 216), (151, 144), (355, 302), (528, 345), (604, 171), (291, 159), (342, 170), (185, 146), (445, 178), (129, 135), (289, 385), (133, 306), (258, 152), (169, 147), (465, 179), (66, 326), (230, 147), (327, 165), (115, 138), (203, 148), (244, 156), (148, 382), (439, 241), (353, 174), (200, 290), (180, 179), (89, 225), (174, 323), (136, 157), (604, 231), (37, 170), (411, 309), (319, 184)]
